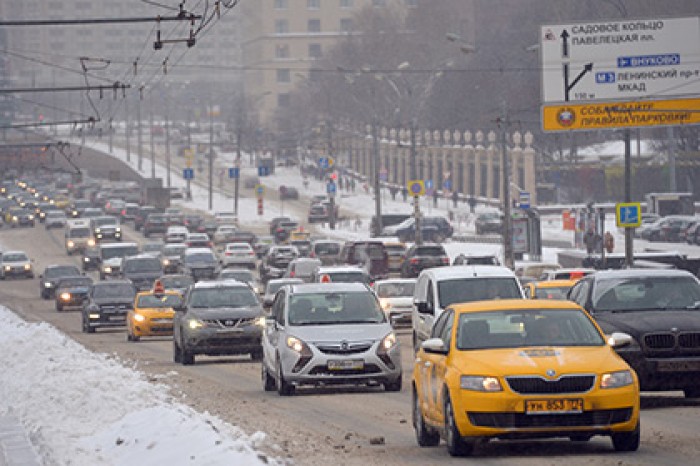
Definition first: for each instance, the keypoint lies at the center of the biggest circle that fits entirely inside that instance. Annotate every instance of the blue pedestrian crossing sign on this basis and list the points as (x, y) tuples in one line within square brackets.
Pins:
[(628, 214), (188, 173), (331, 187)]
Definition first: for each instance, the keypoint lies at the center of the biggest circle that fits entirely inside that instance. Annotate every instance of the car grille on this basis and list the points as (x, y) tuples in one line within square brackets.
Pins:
[(596, 418), (323, 370), (344, 347), (114, 307), (229, 323), (688, 342), (540, 385)]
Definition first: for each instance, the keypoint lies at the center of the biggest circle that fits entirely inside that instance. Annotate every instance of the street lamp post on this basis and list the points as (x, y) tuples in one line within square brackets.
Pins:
[(505, 175)]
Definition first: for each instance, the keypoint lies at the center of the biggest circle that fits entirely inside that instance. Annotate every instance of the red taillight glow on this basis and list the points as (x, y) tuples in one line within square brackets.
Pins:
[(291, 274), (414, 261), (445, 260)]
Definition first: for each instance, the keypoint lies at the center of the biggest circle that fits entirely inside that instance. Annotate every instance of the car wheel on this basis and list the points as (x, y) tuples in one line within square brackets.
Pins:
[(131, 337), (177, 353), (692, 392), (456, 445), (256, 355), (626, 441), (267, 379), (283, 387), (43, 294), (187, 357), (394, 386), (59, 308), (425, 436)]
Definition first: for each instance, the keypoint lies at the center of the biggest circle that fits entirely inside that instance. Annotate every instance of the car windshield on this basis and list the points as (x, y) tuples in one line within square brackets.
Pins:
[(62, 271), (101, 221), (395, 290), (202, 257), (239, 296), (142, 265), (14, 257), (122, 251), (490, 216), (522, 328), (273, 286), (371, 250), (646, 293), (241, 276), (79, 233), (152, 247), (430, 251), (75, 282), (174, 250), (323, 249), (335, 309), (462, 290), (159, 301), (551, 292), (406, 223), (176, 282), (114, 290)]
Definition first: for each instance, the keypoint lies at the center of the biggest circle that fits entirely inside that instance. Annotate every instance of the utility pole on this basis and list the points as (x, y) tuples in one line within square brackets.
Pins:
[(167, 139), (127, 127), (211, 157), (153, 152), (138, 128), (377, 192), (629, 238), (237, 164), (414, 175), (505, 175), (672, 161)]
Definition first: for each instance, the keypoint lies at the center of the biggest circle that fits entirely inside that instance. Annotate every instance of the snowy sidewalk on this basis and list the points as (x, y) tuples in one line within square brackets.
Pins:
[(15, 448)]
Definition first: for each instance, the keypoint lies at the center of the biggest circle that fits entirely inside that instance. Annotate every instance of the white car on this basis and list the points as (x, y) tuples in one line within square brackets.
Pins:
[(176, 234), (15, 263), (224, 233), (238, 254), (226, 218), (396, 298)]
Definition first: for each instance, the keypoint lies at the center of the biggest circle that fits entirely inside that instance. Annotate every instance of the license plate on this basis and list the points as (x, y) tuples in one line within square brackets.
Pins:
[(116, 318), (557, 406), (678, 366), (346, 365)]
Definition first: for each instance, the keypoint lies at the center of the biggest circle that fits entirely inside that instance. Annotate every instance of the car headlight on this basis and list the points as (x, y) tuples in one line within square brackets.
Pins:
[(117, 229), (7, 268), (31, 217), (86, 259), (295, 344), (107, 269), (94, 316), (385, 303), (195, 324), (27, 266), (91, 242), (14, 218), (166, 262), (70, 244), (261, 321), (388, 342), (48, 285), (139, 318), (65, 296), (480, 383), (616, 379)]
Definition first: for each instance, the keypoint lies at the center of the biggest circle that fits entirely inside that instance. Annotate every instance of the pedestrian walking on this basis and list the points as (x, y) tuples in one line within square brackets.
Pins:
[(591, 239), (455, 198), (609, 242), (404, 193)]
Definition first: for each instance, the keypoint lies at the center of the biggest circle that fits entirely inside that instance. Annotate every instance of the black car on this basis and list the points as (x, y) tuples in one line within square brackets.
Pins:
[(171, 257), (142, 270), (489, 222), (51, 276), (194, 223), (142, 214), (218, 318), (72, 292), (106, 227), (176, 282), (435, 229), (200, 264), (419, 257), (660, 310), (22, 218), (155, 223), (288, 192), (108, 303), (91, 259), (275, 263), (274, 223)]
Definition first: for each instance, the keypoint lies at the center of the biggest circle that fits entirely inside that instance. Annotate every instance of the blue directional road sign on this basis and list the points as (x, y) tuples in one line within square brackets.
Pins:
[(447, 185), (234, 172), (331, 187), (628, 215), (188, 173), (524, 200), (323, 162)]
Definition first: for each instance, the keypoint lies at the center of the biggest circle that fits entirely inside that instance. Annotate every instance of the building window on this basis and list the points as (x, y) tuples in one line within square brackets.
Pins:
[(346, 3), (284, 75), (315, 51), (313, 4), (281, 4), (314, 25), (281, 51), (378, 3), (346, 25), (283, 100), (281, 26)]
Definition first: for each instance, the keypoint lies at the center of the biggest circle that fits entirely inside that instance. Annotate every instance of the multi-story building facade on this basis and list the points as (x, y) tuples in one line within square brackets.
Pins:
[(282, 39)]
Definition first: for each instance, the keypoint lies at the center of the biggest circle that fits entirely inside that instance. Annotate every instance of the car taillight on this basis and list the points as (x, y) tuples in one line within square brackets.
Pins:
[(228, 253), (446, 260), (209, 244), (124, 212), (414, 261), (292, 273), (250, 253)]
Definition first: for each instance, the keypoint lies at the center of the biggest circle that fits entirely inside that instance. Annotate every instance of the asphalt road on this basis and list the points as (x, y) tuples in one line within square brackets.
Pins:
[(356, 426)]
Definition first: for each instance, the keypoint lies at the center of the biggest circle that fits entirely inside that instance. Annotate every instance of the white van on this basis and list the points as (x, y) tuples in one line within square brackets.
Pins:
[(439, 287), (78, 236)]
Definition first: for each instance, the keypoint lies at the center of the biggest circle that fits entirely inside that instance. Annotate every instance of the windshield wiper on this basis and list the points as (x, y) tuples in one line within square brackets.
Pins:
[(364, 321)]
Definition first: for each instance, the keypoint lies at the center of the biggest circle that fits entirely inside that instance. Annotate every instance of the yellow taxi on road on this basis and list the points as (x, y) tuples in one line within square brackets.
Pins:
[(548, 289), (522, 369), (152, 314)]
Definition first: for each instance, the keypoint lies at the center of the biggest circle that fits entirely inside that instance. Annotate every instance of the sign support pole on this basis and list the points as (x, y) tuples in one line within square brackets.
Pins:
[(416, 215), (629, 251)]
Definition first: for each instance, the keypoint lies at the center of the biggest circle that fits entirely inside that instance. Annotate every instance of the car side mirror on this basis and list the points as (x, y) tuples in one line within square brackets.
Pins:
[(619, 340), (422, 307), (434, 346)]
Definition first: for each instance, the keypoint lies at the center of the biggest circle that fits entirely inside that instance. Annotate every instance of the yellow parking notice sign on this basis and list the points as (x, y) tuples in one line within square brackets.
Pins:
[(628, 215), (646, 113), (416, 188), (189, 155)]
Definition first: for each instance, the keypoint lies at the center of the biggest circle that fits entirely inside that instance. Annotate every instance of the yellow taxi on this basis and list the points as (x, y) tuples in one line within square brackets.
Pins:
[(548, 289), (515, 369), (152, 314)]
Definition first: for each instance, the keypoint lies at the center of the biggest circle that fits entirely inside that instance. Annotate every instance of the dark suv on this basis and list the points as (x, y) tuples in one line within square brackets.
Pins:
[(218, 318), (435, 229), (660, 310), (370, 255), (155, 223), (108, 303), (142, 270), (141, 214), (423, 257)]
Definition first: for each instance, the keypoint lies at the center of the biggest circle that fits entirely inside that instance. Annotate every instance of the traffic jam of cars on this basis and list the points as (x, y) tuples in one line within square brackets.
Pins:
[(540, 352)]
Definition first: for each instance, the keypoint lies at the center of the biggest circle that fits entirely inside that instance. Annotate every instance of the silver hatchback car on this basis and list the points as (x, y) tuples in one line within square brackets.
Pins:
[(327, 334)]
